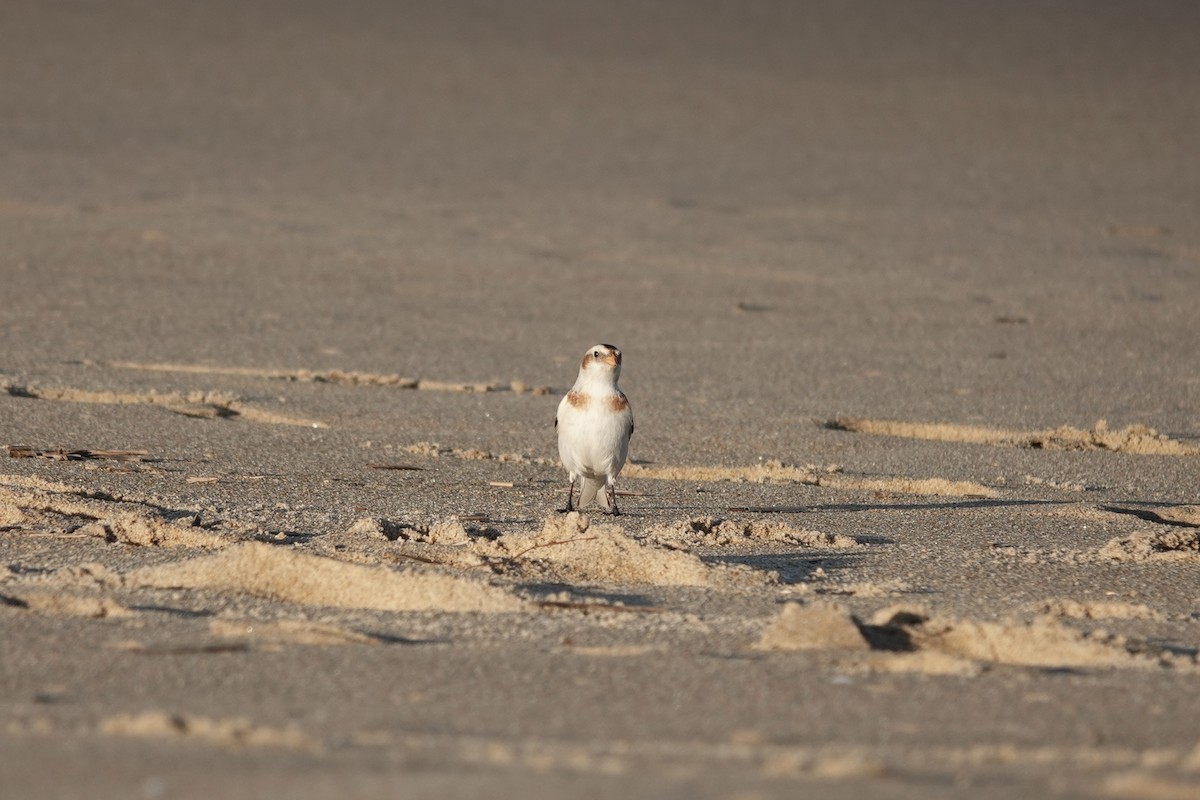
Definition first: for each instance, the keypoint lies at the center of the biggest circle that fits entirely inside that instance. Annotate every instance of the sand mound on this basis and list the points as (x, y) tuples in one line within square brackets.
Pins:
[(1133, 439), (1180, 515), (571, 548), (817, 626), (62, 604), (945, 645), (449, 532), (603, 553), (708, 531), (143, 530), (10, 516), (55, 506), (1170, 545), (1044, 642), (278, 573)]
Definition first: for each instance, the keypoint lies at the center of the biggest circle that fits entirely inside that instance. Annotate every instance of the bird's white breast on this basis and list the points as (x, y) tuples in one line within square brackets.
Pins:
[(593, 432)]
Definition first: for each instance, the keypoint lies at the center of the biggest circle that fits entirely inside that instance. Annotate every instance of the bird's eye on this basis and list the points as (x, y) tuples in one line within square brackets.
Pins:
[(595, 354)]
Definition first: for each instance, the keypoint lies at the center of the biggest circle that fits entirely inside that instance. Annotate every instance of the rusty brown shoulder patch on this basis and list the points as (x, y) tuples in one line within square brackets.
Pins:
[(577, 399), (618, 402)]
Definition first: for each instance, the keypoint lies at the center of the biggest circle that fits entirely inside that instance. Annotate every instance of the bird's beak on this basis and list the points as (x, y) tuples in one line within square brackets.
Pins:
[(611, 360)]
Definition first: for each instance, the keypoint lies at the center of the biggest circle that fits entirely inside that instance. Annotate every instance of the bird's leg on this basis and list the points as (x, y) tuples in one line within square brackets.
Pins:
[(570, 494), (612, 500)]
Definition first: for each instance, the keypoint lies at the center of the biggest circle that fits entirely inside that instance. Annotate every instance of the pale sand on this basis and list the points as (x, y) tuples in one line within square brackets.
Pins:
[(907, 295)]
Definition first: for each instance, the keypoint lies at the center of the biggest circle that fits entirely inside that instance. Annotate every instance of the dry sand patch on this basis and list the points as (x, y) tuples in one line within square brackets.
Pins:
[(1166, 766), (286, 631), (1149, 785), (236, 732), (1138, 439), (1178, 545), (337, 376), (830, 478), (435, 450), (712, 532), (1098, 609), (202, 404), (882, 588), (1169, 543)]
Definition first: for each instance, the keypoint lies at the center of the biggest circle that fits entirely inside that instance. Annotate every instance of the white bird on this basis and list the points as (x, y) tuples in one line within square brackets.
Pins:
[(594, 424)]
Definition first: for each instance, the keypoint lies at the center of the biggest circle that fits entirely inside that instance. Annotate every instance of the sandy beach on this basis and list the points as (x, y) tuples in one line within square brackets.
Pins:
[(907, 295)]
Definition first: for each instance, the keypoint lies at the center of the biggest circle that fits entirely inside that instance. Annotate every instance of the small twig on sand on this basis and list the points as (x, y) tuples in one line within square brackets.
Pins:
[(551, 544)]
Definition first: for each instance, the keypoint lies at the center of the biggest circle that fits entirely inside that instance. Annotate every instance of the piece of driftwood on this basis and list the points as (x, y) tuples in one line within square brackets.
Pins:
[(61, 454)]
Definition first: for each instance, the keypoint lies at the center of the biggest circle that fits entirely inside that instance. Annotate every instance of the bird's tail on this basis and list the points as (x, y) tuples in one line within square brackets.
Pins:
[(591, 489)]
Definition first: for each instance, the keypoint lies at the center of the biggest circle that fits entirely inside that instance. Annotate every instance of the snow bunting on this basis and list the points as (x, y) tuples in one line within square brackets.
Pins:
[(594, 424)]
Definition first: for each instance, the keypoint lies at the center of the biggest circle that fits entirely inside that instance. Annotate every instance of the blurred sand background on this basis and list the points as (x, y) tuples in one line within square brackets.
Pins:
[(907, 294)]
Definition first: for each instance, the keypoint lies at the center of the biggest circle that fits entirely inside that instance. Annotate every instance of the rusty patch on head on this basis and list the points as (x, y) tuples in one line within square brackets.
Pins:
[(618, 402), (577, 399)]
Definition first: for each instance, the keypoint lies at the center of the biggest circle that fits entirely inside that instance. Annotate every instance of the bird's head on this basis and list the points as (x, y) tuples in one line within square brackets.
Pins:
[(602, 359)]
